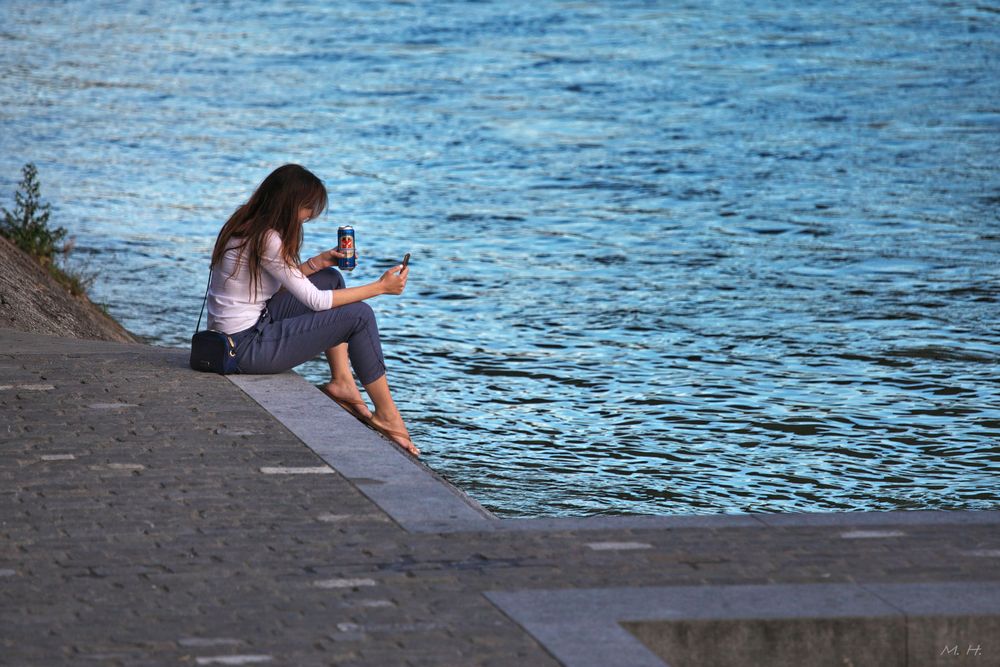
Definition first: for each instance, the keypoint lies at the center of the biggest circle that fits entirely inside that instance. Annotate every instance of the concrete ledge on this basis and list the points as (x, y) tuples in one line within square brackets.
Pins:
[(627, 522), (408, 491), (894, 518), (774, 624), (420, 500), (901, 518)]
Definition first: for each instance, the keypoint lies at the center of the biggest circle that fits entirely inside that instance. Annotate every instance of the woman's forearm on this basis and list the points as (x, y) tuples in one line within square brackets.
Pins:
[(314, 264), (352, 294)]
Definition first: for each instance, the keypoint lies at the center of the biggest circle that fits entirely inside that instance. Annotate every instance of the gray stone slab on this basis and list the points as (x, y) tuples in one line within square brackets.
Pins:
[(699, 602), (818, 642), (844, 520), (893, 518), (602, 523), (948, 623), (559, 524), (583, 627), (932, 599), (408, 491), (579, 627)]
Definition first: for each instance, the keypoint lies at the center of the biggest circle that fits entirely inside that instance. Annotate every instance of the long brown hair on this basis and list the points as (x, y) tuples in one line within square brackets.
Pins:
[(274, 205)]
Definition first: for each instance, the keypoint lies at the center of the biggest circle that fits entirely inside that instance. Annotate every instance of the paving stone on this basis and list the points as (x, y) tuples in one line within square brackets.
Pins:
[(161, 541)]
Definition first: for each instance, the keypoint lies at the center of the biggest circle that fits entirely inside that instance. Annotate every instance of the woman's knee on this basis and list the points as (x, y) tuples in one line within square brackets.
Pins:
[(329, 278), (361, 311)]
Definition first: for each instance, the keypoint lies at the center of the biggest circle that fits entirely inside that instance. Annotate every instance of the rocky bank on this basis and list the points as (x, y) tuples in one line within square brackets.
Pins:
[(31, 300)]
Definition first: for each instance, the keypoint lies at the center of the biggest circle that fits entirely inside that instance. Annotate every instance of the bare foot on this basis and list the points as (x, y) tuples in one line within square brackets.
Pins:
[(348, 397), (395, 430)]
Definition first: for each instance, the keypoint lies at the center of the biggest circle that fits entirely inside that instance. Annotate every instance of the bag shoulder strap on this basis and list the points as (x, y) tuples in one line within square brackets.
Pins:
[(204, 301)]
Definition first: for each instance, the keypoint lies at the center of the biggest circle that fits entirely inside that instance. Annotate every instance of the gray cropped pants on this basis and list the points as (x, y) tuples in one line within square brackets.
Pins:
[(289, 333)]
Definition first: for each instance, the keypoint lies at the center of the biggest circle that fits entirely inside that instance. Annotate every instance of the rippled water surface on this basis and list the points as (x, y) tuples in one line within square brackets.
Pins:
[(667, 257)]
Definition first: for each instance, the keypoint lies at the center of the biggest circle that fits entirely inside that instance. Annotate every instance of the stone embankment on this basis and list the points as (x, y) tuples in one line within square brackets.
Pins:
[(32, 301)]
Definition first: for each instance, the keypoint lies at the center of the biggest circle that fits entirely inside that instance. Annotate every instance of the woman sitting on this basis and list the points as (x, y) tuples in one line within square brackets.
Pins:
[(282, 312)]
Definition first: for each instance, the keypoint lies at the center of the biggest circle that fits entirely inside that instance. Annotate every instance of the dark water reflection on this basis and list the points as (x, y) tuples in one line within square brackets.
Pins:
[(700, 258)]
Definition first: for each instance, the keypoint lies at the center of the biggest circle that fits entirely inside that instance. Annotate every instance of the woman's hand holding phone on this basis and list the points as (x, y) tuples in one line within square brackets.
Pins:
[(393, 281)]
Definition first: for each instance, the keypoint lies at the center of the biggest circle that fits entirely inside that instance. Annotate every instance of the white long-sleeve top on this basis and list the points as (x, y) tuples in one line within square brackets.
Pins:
[(232, 305)]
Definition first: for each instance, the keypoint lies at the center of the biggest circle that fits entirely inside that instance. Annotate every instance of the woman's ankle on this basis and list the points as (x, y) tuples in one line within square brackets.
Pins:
[(387, 416), (343, 383)]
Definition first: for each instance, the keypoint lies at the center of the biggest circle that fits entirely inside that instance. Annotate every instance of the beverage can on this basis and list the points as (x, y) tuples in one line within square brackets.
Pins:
[(345, 244)]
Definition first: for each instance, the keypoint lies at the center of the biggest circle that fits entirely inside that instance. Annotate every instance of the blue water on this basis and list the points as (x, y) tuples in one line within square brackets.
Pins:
[(708, 257)]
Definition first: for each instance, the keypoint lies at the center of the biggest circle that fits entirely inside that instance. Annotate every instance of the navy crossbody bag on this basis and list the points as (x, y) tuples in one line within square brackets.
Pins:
[(212, 351)]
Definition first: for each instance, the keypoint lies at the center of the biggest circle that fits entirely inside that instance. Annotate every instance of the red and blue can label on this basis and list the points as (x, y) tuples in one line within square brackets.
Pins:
[(345, 244)]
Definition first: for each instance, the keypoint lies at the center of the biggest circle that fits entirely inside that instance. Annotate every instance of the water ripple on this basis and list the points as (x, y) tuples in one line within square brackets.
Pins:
[(705, 259)]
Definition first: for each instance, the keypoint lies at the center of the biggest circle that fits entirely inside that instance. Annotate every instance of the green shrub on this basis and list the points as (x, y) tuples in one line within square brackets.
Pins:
[(27, 226)]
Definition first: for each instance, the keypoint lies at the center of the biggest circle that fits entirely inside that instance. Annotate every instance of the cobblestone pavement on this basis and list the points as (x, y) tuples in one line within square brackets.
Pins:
[(144, 520)]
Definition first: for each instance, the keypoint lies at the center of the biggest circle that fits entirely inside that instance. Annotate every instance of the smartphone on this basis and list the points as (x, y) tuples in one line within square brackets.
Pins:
[(406, 260)]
